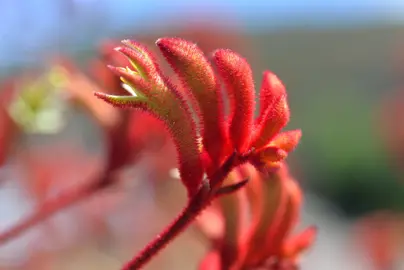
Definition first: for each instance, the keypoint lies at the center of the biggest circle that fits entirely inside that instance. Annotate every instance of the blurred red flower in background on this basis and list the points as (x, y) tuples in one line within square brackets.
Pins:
[(380, 235), (263, 240), (8, 128)]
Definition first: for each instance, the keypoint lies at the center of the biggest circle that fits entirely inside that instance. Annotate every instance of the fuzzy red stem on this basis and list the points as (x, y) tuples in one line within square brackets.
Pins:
[(205, 194), (49, 208), (194, 207)]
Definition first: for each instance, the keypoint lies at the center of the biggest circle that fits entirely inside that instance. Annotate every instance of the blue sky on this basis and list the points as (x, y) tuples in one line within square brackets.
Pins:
[(29, 27)]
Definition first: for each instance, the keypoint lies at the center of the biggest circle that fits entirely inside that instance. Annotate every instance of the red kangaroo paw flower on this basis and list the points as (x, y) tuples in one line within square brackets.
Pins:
[(271, 89), (141, 60), (209, 143), (273, 201), (237, 77), (156, 97), (197, 75), (274, 112), (287, 219), (274, 215)]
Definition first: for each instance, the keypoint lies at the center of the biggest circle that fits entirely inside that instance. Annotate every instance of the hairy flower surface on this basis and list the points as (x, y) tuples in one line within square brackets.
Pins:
[(212, 144), (195, 118)]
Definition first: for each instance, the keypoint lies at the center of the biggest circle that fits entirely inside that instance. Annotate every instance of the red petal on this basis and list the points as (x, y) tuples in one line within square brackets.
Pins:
[(288, 219), (271, 89), (300, 242), (287, 140), (232, 206), (237, 76), (197, 75), (253, 190), (140, 61), (274, 119), (274, 198), (132, 102), (148, 58), (136, 81), (274, 112), (270, 154), (99, 71), (157, 95)]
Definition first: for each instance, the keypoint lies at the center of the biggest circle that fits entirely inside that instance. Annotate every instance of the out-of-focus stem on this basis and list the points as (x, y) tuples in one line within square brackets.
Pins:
[(50, 207), (205, 194), (194, 207)]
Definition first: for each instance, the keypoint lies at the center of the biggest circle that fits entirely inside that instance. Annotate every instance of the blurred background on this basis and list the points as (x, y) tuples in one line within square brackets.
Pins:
[(343, 66)]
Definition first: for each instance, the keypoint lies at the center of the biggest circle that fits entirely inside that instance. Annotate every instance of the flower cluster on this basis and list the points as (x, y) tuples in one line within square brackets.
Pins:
[(204, 135), (213, 139)]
